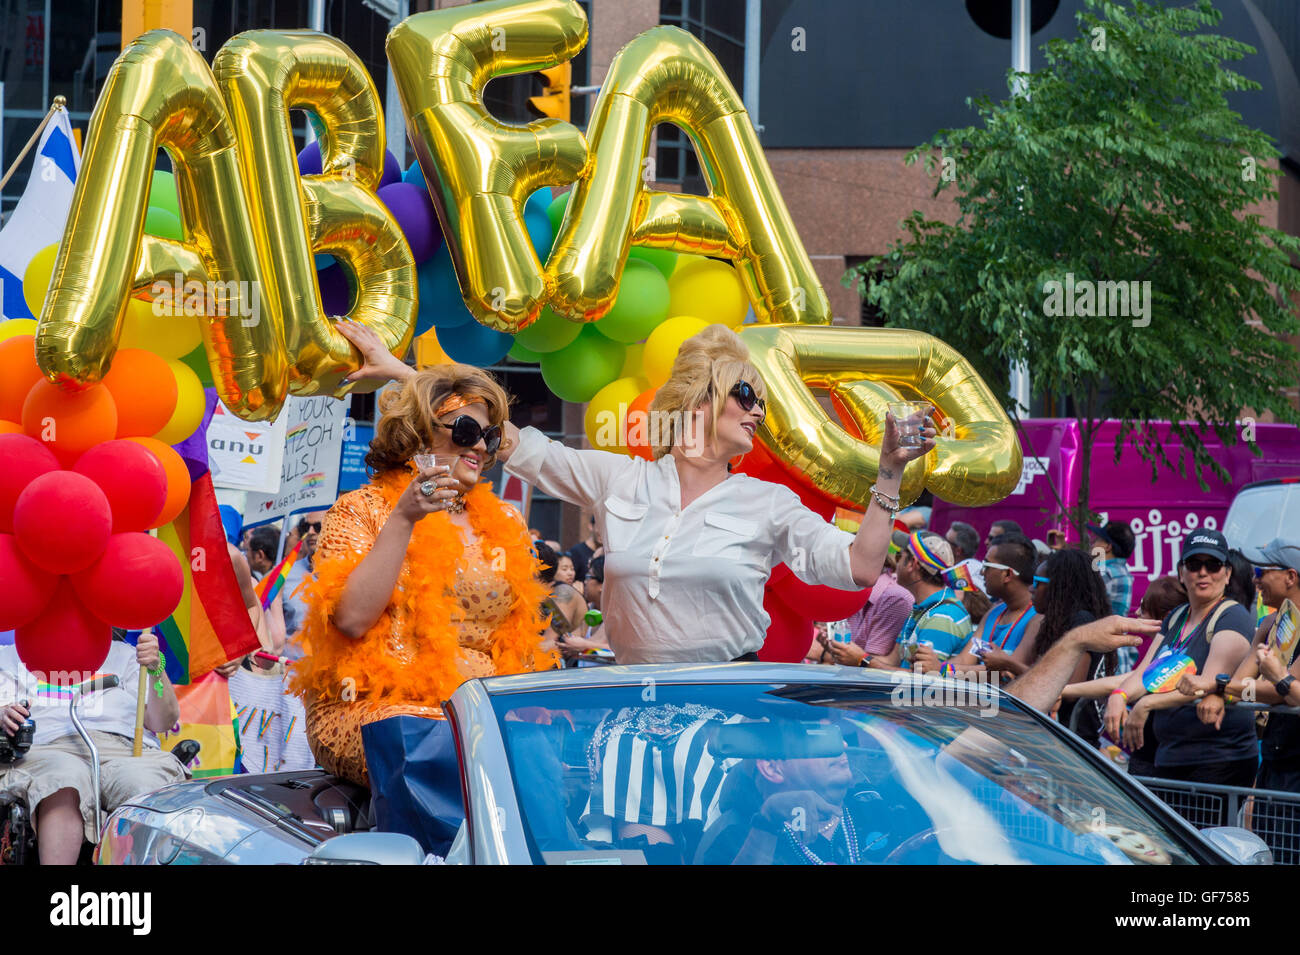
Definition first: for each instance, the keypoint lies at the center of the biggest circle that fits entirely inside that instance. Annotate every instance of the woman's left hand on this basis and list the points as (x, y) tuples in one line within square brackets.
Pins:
[(377, 361), (1269, 666), (891, 452), (1133, 726)]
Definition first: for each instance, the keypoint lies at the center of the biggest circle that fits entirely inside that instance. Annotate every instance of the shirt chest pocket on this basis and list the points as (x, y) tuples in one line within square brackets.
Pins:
[(724, 536), (623, 518)]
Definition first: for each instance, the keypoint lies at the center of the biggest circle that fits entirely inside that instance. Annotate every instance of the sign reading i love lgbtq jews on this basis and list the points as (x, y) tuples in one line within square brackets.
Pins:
[(309, 470)]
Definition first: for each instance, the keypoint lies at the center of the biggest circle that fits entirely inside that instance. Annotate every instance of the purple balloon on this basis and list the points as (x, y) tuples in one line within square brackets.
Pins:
[(392, 170), (335, 293), (413, 210), (309, 159)]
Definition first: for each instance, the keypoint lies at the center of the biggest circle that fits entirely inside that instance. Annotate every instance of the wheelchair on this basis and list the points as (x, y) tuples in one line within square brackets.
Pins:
[(18, 836)]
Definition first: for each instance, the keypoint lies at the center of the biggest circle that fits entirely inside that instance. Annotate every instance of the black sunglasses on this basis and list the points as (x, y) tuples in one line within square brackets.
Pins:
[(746, 397), (466, 432), (1197, 564), (304, 526)]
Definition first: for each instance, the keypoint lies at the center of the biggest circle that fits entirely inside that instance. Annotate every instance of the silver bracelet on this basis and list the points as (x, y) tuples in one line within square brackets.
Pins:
[(888, 503)]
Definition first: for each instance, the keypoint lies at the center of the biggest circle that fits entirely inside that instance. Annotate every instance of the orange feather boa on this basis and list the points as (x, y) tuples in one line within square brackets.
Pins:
[(432, 562)]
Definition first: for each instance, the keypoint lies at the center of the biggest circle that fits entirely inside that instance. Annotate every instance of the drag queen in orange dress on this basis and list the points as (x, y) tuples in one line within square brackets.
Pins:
[(422, 579)]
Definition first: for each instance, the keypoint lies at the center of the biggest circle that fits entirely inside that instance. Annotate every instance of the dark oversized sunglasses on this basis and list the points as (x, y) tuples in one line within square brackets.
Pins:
[(466, 432), (304, 526), (1197, 564), (747, 397)]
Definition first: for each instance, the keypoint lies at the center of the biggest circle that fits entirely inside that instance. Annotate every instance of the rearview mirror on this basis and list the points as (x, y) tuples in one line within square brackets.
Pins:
[(368, 848), (1240, 845)]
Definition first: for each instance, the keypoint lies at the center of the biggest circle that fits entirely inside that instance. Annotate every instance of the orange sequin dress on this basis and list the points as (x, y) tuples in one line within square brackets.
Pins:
[(465, 606)]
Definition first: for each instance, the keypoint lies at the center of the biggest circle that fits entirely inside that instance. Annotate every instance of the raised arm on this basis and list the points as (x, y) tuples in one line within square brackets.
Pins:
[(1041, 686)]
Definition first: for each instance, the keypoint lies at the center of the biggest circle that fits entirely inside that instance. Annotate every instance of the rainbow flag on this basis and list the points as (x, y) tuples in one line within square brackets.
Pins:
[(959, 577), (208, 716), (210, 625), (269, 587)]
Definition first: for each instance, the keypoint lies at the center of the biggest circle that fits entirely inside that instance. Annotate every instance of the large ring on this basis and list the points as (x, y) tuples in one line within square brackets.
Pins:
[(427, 488)]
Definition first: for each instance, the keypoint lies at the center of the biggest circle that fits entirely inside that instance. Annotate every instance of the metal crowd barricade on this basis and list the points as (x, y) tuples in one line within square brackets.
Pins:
[(1271, 814)]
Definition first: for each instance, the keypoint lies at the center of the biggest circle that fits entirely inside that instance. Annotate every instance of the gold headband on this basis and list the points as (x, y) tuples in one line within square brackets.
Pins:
[(455, 402)]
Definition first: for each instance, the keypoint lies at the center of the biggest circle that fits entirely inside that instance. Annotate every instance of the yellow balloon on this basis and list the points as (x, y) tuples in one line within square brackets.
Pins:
[(663, 344), (632, 363), (17, 326), (606, 418), (428, 351), (710, 289), (36, 280), (170, 336), (189, 405)]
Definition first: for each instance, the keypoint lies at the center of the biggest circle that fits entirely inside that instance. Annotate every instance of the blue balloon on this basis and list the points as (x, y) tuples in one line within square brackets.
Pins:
[(441, 305), (415, 175), (539, 229), (539, 201), (6, 638), (475, 344)]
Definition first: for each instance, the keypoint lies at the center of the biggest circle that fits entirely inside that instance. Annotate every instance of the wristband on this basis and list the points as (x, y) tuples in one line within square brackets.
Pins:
[(1120, 692)]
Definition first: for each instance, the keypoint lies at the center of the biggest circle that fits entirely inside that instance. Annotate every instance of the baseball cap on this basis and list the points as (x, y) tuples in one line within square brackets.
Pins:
[(1099, 532), (1203, 540), (1285, 552)]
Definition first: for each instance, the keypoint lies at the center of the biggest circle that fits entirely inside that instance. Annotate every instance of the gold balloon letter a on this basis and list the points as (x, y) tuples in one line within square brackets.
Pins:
[(250, 222)]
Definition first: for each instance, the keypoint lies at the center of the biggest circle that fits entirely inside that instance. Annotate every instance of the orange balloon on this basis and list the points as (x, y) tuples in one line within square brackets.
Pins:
[(18, 372), (144, 389), (178, 479), (70, 423), (10, 427), (639, 431)]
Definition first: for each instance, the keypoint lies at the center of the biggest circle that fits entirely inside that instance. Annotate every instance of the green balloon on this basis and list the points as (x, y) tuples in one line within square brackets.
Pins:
[(519, 353), (162, 192), (163, 224), (198, 363), (555, 211), (662, 259), (549, 333), (642, 303), (577, 372)]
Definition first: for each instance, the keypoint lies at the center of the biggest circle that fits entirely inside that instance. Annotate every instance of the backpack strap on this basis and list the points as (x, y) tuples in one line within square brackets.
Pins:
[(1214, 618)]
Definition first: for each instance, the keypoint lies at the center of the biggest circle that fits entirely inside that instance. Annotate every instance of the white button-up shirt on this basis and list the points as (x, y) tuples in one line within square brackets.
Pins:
[(685, 585)]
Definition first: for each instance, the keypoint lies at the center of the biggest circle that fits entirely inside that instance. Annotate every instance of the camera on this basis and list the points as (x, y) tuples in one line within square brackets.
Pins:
[(14, 747)]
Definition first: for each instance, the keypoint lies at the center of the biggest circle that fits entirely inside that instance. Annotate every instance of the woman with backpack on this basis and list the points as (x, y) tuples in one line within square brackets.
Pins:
[(1212, 631)]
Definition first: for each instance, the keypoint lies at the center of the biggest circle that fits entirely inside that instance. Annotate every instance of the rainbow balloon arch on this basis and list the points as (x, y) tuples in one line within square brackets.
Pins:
[(232, 272)]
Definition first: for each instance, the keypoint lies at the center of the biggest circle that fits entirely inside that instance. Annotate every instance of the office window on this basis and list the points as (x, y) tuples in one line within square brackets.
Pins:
[(721, 25)]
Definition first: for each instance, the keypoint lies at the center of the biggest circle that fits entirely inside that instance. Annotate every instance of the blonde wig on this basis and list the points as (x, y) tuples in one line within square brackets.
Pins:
[(707, 367)]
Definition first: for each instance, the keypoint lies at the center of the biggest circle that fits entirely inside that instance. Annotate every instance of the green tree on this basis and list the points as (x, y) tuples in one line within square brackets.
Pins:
[(1125, 163)]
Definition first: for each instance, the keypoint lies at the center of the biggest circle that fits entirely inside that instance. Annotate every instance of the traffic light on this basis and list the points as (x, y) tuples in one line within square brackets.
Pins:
[(554, 100)]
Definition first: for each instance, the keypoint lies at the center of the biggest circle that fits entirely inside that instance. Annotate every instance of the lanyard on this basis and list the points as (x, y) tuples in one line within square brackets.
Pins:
[(1183, 634), (1006, 635)]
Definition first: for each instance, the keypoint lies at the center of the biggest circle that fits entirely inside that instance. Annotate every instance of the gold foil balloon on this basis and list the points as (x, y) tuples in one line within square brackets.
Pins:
[(159, 93), (977, 459), (248, 222), (666, 75), (481, 171), (261, 75)]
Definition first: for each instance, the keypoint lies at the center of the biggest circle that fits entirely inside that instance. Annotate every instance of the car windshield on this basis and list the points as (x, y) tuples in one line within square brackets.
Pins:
[(1258, 514), (809, 773)]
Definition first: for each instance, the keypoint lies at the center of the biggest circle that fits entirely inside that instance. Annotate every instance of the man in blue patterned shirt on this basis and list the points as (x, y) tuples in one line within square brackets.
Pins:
[(1111, 547)]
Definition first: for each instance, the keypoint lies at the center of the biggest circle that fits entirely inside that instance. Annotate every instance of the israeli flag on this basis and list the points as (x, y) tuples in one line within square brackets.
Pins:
[(42, 212)]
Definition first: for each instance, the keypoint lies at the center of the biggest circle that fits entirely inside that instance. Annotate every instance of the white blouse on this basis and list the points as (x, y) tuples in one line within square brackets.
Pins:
[(685, 585)]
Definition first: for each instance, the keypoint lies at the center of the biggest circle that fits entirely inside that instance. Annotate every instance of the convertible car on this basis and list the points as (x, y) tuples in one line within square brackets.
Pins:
[(704, 764)]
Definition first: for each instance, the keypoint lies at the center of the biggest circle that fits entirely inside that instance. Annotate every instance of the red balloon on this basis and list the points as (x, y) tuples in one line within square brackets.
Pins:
[(62, 522), (789, 635), (135, 584), (65, 637), (828, 603), (131, 477), (26, 588), (22, 461)]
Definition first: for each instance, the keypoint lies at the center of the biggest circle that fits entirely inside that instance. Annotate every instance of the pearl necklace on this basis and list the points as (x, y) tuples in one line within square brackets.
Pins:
[(811, 858)]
